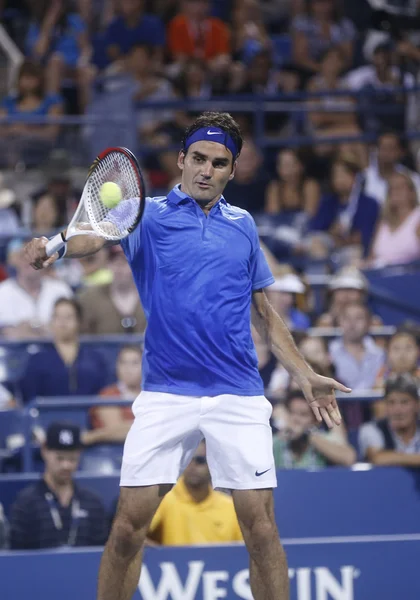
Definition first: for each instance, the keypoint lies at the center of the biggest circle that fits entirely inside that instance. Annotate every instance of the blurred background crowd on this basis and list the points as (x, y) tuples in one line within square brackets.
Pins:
[(326, 96)]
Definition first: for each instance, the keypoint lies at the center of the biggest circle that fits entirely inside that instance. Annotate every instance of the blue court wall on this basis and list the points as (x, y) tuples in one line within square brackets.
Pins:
[(328, 502)]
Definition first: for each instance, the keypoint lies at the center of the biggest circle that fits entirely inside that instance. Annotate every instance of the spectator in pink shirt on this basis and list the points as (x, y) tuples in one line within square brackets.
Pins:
[(397, 239)]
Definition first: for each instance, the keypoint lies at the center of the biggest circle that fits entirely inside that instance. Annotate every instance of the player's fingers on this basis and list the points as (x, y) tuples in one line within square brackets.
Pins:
[(315, 410), (334, 412), (336, 385), (50, 261), (326, 417)]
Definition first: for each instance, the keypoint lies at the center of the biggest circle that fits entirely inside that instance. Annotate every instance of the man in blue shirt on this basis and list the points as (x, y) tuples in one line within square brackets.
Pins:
[(133, 28), (197, 265)]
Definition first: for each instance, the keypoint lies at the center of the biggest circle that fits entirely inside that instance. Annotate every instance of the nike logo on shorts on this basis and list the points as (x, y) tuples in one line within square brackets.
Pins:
[(262, 472), (213, 132)]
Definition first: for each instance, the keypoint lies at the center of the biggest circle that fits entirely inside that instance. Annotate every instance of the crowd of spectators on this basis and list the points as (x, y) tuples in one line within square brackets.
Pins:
[(352, 205)]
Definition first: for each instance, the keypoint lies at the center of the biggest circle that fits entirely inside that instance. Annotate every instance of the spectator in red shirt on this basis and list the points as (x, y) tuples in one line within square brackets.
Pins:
[(192, 33), (110, 424)]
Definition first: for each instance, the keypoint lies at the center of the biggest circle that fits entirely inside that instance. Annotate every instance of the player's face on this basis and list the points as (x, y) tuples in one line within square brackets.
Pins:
[(402, 410), (403, 354), (129, 368), (197, 473), (65, 323), (61, 465), (206, 169)]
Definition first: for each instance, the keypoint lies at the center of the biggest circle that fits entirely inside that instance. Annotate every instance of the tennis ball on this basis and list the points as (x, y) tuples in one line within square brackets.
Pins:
[(110, 194)]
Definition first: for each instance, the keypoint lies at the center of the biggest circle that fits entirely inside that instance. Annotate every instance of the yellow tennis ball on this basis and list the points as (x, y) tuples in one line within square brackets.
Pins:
[(110, 194)]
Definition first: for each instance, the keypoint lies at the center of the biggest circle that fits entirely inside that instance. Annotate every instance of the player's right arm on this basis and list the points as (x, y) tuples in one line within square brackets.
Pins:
[(78, 246)]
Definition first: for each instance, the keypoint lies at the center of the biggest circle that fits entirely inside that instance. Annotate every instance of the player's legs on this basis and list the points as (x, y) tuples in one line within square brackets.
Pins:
[(119, 572), (268, 571), (240, 457), (159, 445)]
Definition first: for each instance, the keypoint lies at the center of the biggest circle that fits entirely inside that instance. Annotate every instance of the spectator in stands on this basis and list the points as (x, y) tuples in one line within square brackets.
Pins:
[(303, 445), (134, 27), (395, 440), (58, 38), (56, 511), (67, 367), (397, 238), (193, 33), (58, 186), (27, 299), (248, 188), (356, 357), (249, 34), (282, 295), (347, 214), (315, 350), (381, 75), (110, 424), (319, 28), (9, 222), (46, 217), (347, 286), (31, 99), (113, 308), (384, 162), (193, 513), (292, 191), (403, 356), (337, 116)]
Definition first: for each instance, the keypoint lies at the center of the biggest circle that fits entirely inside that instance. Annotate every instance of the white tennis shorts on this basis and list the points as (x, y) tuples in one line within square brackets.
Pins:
[(168, 428)]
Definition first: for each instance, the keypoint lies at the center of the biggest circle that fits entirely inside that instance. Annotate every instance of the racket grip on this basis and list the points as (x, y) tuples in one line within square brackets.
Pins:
[(55, 244)]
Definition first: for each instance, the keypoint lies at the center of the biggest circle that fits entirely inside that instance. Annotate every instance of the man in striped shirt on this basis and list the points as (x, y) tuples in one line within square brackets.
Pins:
[(55, 511)]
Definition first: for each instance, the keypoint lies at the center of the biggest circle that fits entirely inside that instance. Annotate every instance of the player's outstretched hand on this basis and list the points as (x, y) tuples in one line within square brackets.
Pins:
[(36, 255), (320, 394)]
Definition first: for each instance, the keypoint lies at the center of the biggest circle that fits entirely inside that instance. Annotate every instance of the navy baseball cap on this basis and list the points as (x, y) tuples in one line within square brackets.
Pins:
[(63, 436)]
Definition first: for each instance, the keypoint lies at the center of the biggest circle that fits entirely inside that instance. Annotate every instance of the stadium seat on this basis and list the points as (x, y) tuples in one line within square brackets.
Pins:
[(104, 459)]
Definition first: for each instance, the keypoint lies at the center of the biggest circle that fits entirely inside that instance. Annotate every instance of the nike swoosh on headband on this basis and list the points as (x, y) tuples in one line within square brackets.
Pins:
[(214, 132)]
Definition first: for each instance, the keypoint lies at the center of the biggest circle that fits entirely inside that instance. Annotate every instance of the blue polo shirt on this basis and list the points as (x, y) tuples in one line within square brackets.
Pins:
[(195, 275)]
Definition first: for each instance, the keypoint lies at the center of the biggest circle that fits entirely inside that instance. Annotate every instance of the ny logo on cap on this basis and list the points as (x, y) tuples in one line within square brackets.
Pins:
[(66, 437)]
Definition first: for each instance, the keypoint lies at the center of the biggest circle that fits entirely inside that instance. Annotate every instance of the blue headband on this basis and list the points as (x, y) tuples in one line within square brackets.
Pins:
[(212, 134)]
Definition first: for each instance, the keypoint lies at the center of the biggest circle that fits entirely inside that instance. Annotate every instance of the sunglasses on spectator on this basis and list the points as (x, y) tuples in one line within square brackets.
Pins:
[(200, 460)]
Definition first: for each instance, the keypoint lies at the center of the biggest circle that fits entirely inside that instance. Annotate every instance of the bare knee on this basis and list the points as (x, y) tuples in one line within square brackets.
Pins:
[(126, 537), (256, 517)]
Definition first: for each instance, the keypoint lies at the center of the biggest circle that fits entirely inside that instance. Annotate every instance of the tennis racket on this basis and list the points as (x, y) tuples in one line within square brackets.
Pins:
[(92, 217)]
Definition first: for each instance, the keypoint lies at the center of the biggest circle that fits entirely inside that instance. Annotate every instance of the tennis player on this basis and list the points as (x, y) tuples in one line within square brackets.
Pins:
[(197, 264)]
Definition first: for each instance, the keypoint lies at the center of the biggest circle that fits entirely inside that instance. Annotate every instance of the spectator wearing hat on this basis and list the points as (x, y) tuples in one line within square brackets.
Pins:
[(282, 295), (395, 440), (67, 367), (56, 511), (113, 308), (348, 285), (27, 299)]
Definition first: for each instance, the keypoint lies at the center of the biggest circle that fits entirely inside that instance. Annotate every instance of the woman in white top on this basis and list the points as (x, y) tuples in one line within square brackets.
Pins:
[(397, 239)]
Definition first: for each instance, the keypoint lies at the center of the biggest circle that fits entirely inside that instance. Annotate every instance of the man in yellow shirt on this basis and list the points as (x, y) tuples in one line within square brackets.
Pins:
[(193, 513)]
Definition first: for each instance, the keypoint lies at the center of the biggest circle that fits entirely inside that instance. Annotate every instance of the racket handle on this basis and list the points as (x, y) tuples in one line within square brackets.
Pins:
[(55, 244)]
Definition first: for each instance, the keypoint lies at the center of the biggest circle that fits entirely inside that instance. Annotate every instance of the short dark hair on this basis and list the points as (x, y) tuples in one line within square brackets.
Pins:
[(405, 384), (73, 303), (224, 121)]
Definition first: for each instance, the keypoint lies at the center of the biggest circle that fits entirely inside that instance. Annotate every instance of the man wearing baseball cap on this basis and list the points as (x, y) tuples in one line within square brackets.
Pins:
[(55, 511)]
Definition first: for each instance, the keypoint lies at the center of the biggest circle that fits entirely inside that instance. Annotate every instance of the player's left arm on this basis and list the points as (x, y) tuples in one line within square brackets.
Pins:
[(319, 391)]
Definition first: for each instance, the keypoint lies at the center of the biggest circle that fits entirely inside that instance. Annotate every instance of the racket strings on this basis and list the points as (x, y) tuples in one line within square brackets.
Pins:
[(113, 223)]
